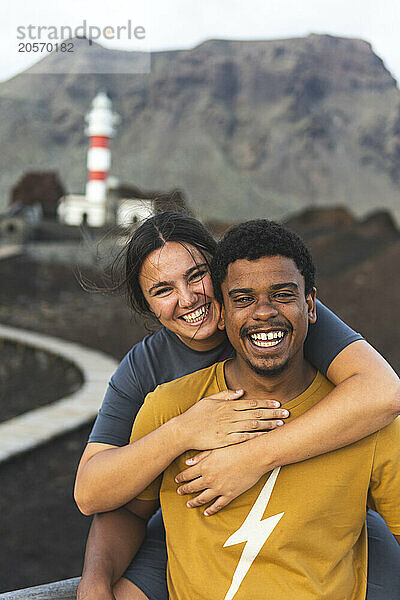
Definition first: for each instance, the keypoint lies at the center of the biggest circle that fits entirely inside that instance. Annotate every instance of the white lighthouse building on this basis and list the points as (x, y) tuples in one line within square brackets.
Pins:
[(101, 123), (91, 209), (105, 202)]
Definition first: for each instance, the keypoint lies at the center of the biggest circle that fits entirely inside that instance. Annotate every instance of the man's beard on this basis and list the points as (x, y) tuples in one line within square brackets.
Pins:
[(268, 371)]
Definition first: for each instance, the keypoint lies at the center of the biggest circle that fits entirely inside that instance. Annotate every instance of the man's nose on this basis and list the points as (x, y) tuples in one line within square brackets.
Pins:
[(187, 297), (264, 310)]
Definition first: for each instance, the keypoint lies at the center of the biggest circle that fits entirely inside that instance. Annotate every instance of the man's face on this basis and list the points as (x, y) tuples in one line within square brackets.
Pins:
[(266, 313)]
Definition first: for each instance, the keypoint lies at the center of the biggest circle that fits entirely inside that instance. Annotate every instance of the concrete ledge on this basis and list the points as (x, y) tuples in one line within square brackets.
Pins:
[(8, 251), (40, 425), (60, 590)]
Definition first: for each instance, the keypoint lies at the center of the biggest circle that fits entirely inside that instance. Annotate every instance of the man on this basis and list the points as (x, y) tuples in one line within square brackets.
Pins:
[(300, 531)]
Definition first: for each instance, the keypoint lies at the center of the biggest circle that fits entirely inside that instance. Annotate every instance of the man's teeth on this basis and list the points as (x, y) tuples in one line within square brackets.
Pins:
[(197, 315), (265, 340)]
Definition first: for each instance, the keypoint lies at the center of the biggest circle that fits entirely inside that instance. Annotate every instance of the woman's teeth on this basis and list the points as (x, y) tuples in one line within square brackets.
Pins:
[(266, 340), (197, 316)]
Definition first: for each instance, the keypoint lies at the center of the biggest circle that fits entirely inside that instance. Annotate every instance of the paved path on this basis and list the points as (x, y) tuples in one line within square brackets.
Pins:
[(39, 425), (8, 251)]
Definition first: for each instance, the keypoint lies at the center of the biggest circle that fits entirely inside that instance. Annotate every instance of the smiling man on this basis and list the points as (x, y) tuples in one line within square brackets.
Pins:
[(299, 533)]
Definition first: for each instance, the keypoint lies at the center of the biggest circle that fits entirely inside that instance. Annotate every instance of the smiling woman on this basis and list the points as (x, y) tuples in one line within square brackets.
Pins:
[(166, 272), (176, 284)]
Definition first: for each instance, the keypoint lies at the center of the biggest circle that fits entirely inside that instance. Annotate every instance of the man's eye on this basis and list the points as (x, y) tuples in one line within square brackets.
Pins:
[(284, 295), (242, 299)]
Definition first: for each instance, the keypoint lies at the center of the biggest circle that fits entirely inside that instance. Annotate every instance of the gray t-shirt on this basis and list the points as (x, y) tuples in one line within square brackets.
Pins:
[(162, 357)]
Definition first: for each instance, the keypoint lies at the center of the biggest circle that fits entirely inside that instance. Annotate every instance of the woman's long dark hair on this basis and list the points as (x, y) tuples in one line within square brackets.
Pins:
[(151, 235)]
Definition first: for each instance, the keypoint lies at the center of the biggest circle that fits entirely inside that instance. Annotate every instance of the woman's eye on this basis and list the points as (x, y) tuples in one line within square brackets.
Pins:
[(198, 275), (162, 292)]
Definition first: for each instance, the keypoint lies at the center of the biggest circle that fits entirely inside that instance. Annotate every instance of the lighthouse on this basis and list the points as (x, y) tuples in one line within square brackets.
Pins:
[(101, 122), (102, 204)]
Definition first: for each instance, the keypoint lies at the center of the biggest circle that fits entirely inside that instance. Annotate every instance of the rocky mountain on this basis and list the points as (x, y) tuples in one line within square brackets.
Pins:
[(357, 265), (246, 129)]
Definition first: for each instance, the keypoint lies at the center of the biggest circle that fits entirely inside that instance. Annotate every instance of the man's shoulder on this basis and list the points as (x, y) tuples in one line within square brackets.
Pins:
[(319, 387), (388, 435), (198, 379), (187, 390), (322, 384)]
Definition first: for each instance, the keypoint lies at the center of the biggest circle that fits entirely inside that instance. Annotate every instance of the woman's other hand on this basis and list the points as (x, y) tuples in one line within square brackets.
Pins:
[(219, 475), (228, 418)]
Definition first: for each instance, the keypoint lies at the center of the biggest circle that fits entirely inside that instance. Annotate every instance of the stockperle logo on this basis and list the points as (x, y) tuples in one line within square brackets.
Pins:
[(70, 40)]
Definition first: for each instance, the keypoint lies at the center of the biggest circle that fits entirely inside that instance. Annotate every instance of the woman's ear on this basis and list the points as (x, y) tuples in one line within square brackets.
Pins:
[(221, 322)]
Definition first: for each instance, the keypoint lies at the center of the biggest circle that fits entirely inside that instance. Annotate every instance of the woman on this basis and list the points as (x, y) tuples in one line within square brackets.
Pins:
[(167, 274)]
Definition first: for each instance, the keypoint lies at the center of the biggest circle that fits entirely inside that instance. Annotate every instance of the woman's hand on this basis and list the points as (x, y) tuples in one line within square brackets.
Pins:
[(220, 475), (227, 418)]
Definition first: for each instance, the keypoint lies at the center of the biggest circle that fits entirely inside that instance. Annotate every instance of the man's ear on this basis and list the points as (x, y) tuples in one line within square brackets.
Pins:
[(221, 322), (310, 299)]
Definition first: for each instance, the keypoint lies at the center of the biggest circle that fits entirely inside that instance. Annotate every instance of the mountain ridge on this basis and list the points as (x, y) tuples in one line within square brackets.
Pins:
[(255, 128)]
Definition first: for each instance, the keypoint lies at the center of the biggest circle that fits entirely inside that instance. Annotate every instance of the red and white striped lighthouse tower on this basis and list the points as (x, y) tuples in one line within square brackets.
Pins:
[(101, 123)]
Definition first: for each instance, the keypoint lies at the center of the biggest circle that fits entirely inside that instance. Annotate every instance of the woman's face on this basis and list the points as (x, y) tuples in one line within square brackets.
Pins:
[(176, 283)]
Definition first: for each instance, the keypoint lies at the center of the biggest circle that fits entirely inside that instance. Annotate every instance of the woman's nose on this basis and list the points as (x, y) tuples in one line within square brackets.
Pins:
[(187, 298)]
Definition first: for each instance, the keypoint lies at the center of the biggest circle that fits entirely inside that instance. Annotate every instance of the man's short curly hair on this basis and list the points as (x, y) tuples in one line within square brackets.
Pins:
[(256, 239)]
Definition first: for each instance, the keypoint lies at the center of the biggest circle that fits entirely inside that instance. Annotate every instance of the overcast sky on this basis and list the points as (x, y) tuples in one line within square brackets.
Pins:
[(185, 23)]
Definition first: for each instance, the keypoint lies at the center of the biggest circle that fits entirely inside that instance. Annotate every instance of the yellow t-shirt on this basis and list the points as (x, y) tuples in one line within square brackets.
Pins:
[(298, 534)]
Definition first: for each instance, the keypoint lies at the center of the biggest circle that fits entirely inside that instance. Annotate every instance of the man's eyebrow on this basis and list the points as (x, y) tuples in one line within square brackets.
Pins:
[(240, 291), (274, 287), (278, 286), (187, 274)]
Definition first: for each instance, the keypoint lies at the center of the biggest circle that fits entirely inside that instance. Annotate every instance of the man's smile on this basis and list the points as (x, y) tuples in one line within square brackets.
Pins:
[(264, 339)]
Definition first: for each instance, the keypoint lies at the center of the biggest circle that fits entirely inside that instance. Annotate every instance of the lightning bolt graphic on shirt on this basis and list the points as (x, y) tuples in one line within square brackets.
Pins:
[(255, 532)]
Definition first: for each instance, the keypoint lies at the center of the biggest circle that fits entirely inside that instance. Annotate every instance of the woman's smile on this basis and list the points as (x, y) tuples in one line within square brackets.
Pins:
[(198, 316)]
